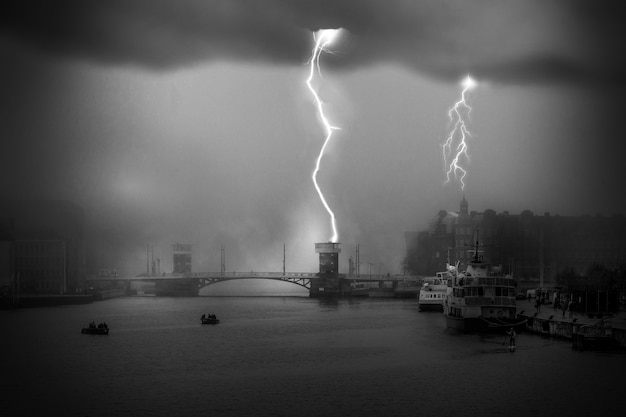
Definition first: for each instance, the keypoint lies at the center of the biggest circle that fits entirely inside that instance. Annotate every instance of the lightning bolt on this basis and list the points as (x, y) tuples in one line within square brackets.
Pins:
[(322, 39), (453, 156)]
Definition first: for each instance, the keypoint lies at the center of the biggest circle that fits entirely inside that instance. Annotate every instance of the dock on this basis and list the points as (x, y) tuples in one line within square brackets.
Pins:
[(586, 331)]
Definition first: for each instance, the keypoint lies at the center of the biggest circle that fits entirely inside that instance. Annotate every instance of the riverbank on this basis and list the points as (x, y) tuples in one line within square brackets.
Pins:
[(106, 294), (51, 300), (47, 300)]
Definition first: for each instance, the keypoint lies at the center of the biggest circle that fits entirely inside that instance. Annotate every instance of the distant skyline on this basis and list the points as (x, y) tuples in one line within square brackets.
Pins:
[(190, 121)]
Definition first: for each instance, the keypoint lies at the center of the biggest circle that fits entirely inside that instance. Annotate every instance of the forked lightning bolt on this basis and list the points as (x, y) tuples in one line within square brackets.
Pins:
[(455, 146), (322, 39)]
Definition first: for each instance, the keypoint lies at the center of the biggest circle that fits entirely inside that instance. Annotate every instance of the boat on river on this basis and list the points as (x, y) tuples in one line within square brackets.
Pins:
[(432, 294), (481, 298), (210, 319), (104, 330)]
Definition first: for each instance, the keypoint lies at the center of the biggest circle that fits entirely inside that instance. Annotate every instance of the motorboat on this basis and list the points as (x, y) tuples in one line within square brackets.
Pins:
[(210, 319), (100, 329)]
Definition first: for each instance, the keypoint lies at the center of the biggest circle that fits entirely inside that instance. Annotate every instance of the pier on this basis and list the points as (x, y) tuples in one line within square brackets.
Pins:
[(583, 330)]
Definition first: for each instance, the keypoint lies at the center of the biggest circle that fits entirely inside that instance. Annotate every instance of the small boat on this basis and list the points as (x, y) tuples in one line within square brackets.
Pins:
[(210, 320), (95, 330), (359, 289), (432, 294)]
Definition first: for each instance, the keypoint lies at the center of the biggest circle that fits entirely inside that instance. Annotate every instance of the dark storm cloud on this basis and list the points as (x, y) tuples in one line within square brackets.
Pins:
[(506, 41), (151, 33)]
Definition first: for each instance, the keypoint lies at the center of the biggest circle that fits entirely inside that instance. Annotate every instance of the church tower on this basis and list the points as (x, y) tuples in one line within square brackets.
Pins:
[(464, 205)]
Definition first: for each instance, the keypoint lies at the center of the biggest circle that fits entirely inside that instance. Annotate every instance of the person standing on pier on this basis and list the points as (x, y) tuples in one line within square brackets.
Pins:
[(512, 335), (570, 307)]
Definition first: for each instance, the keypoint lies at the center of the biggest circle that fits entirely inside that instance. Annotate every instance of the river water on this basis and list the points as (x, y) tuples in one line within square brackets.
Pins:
[(289, 356)]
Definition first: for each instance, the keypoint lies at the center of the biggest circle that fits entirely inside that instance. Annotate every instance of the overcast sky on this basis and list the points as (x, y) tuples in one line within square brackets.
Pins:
[(189, 121)]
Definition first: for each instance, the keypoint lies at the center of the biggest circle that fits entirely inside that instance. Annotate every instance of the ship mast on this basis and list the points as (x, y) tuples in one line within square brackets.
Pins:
[(476, 258)]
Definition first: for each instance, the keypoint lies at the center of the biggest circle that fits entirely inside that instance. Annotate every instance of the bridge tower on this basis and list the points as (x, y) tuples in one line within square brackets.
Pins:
[(182, 258), (179, 287), (329, 282)]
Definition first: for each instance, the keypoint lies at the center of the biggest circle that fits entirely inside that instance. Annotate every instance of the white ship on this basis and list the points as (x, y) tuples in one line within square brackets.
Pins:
[(481, 298), (432, 294)]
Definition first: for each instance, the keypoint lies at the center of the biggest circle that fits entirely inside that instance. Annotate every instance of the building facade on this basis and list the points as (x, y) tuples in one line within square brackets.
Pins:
[(42, 247), (534, 248)]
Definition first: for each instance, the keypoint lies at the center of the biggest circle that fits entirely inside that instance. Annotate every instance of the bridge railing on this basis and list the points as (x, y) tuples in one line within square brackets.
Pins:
[(239, 274), (253, 274)]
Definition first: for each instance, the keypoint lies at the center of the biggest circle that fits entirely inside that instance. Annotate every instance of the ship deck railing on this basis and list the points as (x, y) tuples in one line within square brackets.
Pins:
[(486, 301), (490, 281)]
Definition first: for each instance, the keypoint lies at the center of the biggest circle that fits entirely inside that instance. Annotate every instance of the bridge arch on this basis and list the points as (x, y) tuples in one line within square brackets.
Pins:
[(302, 281)]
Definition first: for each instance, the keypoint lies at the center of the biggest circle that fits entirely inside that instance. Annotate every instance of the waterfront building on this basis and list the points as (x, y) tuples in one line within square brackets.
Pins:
[(42, 246), (534, 248)]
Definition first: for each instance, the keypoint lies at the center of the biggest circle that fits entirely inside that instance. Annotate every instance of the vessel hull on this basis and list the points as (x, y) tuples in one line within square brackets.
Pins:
[(430, 307)]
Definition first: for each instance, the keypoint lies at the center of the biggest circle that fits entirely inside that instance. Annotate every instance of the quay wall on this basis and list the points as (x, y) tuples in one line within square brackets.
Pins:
[(566, 329), (106, 294), (48, 300), (620, 336), (554, 328)]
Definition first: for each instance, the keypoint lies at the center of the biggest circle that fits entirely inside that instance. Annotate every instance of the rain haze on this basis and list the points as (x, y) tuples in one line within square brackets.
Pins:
[(191, 122)]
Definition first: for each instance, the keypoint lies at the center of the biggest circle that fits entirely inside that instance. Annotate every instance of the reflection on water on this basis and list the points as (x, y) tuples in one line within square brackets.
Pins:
[(254, 287), (288, 356)]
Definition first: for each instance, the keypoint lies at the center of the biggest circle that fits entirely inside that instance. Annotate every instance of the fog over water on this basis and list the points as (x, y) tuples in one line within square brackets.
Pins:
[(192, 123)]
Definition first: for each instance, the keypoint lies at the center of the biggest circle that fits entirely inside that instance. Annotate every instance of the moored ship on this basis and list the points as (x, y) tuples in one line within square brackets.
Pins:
[(432, 294), (481, 298)]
